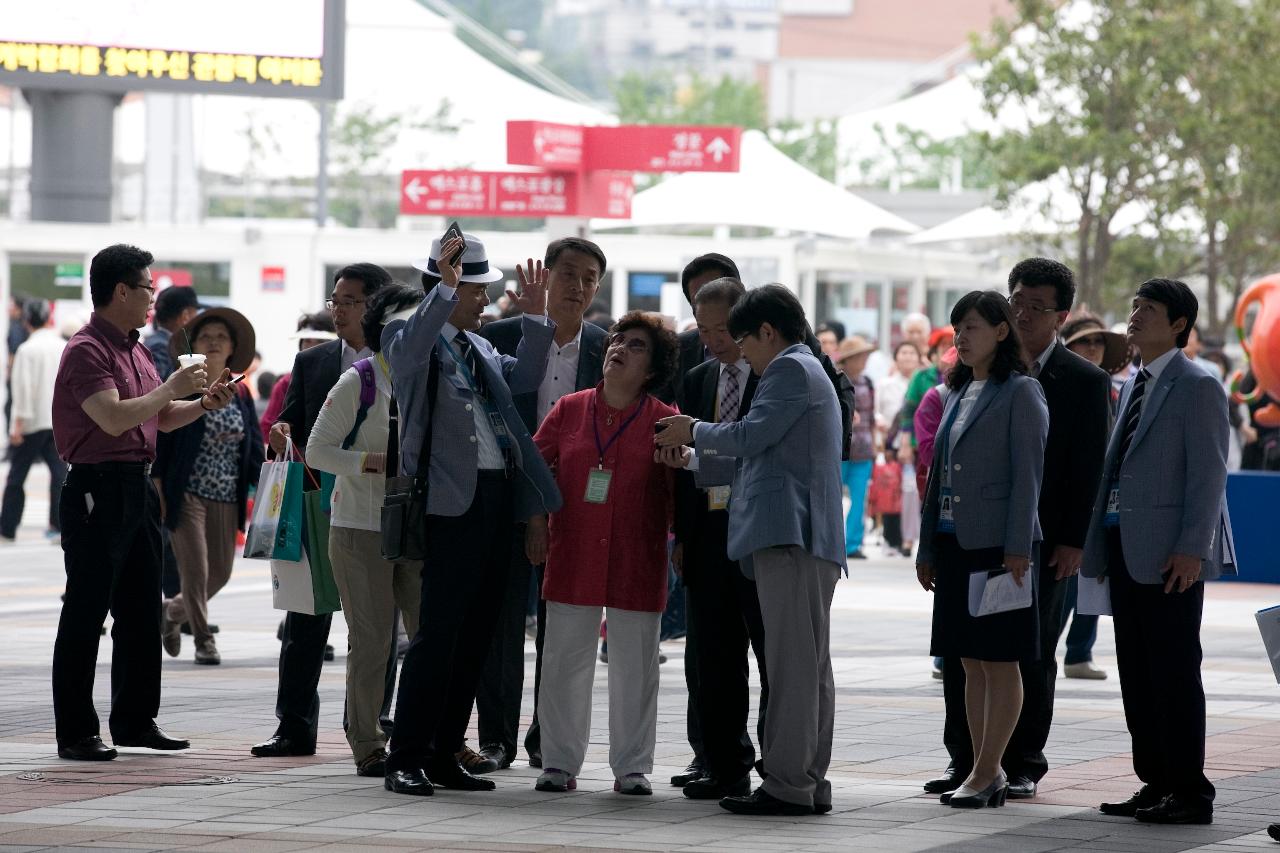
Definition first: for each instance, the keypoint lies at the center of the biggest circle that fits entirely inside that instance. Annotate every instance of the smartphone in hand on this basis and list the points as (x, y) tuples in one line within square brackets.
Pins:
[(454, 230)]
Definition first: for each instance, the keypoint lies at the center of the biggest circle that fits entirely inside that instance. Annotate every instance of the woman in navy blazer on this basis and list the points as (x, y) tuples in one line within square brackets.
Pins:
[(980, 513)]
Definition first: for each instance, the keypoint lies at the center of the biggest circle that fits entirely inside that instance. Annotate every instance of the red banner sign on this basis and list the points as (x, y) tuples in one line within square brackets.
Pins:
[(532, 194), (663, 148), (557, 147)]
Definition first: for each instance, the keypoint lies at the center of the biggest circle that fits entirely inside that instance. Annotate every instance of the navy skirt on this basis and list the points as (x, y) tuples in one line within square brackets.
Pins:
[(1010, 636)]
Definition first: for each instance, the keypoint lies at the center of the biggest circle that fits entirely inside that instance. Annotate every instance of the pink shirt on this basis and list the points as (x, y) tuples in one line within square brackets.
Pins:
[(100, 357)]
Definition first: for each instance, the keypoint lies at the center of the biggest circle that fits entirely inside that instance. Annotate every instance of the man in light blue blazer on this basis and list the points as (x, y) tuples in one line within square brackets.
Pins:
[(786, 526), (483, 471), (1159, 530)]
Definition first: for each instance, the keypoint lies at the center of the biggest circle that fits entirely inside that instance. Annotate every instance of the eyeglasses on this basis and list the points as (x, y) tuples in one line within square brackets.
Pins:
[(738, 341), (1020, 307), (635, 345), (332, 304), (149, 288)]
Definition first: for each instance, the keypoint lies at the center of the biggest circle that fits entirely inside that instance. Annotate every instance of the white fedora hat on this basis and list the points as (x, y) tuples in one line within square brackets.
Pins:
[(475, 263)]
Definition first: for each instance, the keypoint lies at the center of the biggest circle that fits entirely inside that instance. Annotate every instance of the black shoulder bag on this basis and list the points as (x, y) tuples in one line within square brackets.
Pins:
[(404, 509)]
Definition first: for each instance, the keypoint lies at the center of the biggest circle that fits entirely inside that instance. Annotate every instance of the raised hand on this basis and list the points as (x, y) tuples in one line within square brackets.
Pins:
[(532, 298), (450, 274), (220, 394)]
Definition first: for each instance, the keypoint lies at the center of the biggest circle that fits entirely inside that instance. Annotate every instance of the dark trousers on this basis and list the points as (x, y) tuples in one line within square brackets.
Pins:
[(1024, 755), (301, 661), (1158, 654), (725, 625), (533, 737), (1083, 632), (112, 556), (693, 725), (468, 556), (36, 445), (502, 681)]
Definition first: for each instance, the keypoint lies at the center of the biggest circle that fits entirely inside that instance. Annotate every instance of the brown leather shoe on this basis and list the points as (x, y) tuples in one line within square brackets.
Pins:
[(374, 764), (475, 763)]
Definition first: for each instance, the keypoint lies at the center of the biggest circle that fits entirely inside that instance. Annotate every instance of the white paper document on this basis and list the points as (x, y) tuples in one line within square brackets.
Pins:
[(997, 592), (1269, 626), (1094, 598)]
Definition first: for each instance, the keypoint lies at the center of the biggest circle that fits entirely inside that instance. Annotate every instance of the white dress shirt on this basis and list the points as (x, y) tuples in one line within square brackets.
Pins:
[(1154, 369), (561, 377), (350, 355), (1037, 366), (35, 367), (744, 373)]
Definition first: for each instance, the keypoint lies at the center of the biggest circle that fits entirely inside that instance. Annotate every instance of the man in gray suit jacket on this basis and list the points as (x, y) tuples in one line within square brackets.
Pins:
[(786, 527), (1159, 530), (484, 472)]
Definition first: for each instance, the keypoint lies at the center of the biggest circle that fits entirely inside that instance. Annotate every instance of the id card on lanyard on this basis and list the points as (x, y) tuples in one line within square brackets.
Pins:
[(1112, 515), (496, 422), (946, 512), (600, 478)]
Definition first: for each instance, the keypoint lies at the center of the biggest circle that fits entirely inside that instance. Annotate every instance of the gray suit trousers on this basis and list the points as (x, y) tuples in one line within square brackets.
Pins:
[(795, 590)]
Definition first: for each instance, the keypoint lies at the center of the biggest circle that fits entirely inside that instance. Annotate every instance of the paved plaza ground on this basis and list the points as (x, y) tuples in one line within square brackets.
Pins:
[(216, 797)]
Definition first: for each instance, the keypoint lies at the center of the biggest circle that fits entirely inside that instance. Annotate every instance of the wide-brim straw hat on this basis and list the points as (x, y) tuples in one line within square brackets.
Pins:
[(1116, 352), (241, 329)]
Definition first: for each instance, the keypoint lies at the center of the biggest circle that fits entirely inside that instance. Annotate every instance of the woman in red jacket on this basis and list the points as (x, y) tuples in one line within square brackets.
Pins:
[(606, 548)]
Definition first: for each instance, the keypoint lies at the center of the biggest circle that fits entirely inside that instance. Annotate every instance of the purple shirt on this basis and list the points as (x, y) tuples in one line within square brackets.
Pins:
[(100, 357)]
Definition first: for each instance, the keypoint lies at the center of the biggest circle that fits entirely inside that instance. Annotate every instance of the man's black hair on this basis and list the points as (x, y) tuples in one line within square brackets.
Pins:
[(35, 313), (1178, 302), (114, 265), (1043, 272), (727, 291), (170, 304), (573, 244), (772, 304), (703, 264), (370, 276), (832, 326), (395, 296)]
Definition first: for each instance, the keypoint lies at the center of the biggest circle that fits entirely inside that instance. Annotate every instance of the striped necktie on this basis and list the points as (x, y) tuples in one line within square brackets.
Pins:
[(468, 353), (1133, 414), (732, 397)]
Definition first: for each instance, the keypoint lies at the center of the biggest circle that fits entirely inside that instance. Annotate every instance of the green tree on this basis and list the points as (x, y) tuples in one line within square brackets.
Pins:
[(1160, 105)]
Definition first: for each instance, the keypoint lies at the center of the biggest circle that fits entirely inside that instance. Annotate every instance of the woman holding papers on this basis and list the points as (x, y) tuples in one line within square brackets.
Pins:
[(980, 531)]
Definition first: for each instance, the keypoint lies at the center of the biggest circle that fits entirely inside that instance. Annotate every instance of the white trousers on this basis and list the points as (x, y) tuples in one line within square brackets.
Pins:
[(568, 670)]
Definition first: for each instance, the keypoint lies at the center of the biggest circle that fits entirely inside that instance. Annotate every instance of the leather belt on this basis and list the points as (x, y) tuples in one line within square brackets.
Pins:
[(119, 469)]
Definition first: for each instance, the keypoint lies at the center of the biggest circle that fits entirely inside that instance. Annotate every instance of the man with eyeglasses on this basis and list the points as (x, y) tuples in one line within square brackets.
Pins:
[(108, 406), (1041, 292), (315, 372)]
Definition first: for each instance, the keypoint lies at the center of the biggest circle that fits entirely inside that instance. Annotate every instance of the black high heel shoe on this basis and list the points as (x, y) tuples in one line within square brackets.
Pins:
[(993, 795)]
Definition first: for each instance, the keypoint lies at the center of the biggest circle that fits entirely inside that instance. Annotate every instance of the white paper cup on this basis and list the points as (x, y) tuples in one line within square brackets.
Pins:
[(185, 361)]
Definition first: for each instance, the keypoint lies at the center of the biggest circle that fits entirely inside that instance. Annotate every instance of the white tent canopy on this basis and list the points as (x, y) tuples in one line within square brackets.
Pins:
[(771, 191), (400, 59)]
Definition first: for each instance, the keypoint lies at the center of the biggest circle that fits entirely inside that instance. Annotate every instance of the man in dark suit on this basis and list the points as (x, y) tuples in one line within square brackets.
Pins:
[(723, 608), (315, 372), (1078, 397), (575, 267)]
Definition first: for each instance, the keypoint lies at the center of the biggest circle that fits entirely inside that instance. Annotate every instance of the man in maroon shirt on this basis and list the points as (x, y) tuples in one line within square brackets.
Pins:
[(108, 405)]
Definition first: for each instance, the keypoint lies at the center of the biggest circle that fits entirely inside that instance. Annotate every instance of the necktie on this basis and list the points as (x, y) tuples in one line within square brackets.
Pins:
[(732, 397), (1133, 414), (473, 361)]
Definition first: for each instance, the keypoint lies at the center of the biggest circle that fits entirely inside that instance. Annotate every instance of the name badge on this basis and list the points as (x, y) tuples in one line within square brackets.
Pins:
[(946, 517), (718, 497), (598, 480), (499, 429), (1112, 518)]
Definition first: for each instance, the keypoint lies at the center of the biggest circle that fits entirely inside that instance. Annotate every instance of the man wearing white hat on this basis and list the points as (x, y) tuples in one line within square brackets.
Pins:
[(463, 440)]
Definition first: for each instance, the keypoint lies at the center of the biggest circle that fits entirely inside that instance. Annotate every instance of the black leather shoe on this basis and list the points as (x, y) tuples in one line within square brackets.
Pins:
[(87, 749), (152, 738), (1274, 831), (497, 754), (711, 788), (408, 782), (1143, 799), (821, 808), (452, 775), (279, 746), (1021, 788), (535, 760), (953, 777), (1173, 809), (695, 770), (760, 802)]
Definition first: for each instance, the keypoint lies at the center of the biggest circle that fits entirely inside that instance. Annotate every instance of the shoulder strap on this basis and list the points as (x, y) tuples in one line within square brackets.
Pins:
[(368, 394)]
